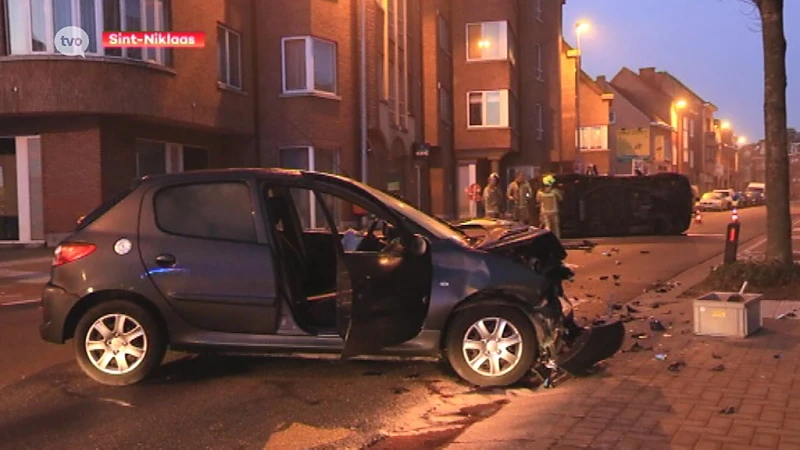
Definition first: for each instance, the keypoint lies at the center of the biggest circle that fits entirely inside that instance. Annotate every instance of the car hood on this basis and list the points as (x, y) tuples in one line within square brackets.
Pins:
[(507, 238)]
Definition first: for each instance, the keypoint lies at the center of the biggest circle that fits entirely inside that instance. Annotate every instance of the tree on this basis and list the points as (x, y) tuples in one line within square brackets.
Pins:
[(779, 222)]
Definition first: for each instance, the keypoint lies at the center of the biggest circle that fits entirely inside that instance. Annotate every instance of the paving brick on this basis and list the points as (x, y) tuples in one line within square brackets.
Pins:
[(788, 446), (684, 437), (720, 423), (707, 445), (766, 440), (771, 416), (630, 444), (736, 447)]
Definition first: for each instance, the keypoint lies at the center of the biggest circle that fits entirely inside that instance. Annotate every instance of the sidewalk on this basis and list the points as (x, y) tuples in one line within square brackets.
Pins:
[(23, 273), (720, 392)]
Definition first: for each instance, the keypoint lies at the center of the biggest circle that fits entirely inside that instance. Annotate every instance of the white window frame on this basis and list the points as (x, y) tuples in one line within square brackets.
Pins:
[(538, 10), (50, 32), (228, 31), (173, 156), (539, 122), (539, 63), (311, 154), (309, 57), (100, 26), (504, 109), (503, 41), (587, 138)]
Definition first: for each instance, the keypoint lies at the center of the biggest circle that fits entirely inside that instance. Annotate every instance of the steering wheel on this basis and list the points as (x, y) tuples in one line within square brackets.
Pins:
[(374, 226)]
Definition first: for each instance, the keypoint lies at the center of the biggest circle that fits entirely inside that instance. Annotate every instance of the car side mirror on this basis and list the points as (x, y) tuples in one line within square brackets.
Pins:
[(418, 245)]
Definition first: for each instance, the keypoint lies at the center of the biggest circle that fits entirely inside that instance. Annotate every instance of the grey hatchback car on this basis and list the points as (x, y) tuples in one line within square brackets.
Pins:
[(274, 260)]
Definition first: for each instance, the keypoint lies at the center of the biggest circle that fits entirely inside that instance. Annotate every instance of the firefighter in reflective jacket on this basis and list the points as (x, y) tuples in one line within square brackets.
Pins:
[(548, 198)]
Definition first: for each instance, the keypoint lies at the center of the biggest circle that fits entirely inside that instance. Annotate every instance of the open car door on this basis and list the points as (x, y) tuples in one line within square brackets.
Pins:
[(390, 295), (382, 296)]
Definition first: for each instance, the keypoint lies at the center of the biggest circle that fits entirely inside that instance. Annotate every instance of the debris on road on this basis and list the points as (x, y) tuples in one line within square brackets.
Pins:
[(666, 335), (790, 314), (729, 410), (718, 368), (400, 390), (606, 254), (636, 347), (777, 356), (656, 325), (616, 306), (631, 309), (617, 263), (644, 252), (604, 278), (661, 356), (677, 366), (716, 356), (639, 336)]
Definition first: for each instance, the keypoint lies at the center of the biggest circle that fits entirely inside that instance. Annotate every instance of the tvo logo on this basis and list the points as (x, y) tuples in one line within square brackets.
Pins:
[(71, 41)]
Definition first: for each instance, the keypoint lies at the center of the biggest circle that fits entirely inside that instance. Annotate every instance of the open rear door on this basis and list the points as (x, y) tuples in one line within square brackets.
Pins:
[(383, 296)]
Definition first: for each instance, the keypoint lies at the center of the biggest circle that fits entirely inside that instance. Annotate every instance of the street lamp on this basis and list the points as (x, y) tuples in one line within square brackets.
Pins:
[(580, 27), (741, 141), (680, 104), (726, 125)]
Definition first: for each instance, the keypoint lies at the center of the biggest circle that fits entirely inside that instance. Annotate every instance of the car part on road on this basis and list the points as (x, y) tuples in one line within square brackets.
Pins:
[(594, 344)]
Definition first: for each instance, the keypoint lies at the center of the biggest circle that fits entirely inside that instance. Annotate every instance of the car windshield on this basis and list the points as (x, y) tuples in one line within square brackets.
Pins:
[(754, 190), (437, 227), (711, 195)]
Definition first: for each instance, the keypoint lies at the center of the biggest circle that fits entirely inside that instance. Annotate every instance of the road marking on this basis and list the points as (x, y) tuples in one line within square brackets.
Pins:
[(764, 240), (705, 234), (21, 302)]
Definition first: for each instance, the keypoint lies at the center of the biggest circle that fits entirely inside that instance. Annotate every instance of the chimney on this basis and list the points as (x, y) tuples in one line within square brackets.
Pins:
[(601, 80), (647, 74)]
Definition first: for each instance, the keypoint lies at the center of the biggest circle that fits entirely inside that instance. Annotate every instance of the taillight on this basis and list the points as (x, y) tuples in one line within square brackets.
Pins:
[(69, 252)]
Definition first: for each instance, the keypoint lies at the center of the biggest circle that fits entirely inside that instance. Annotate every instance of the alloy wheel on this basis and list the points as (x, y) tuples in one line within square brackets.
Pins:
[(492, 346), (116, 344)]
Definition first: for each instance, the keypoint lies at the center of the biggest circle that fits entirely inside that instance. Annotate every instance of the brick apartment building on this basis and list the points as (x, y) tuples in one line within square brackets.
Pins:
[(455, 89)]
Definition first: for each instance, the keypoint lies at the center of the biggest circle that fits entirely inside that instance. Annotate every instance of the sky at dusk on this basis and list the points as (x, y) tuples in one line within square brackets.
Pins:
[(713, 46)]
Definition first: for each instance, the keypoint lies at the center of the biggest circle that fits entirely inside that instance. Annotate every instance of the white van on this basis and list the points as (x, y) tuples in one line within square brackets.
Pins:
[(756, 193)]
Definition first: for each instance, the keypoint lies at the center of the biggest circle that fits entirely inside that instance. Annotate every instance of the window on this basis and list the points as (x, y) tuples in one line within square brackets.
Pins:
[(594, 138), (487, 41), (612, 117), (33, 24), (309, 158), (309, 66), (445, 105), (539, 122), (229, 57), (221, 211), (691, 128), (538, 10), (488, 109), (539, 64), (155, 158)]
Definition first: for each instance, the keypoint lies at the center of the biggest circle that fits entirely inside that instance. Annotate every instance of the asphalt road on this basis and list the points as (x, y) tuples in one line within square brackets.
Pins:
[(292, 402)]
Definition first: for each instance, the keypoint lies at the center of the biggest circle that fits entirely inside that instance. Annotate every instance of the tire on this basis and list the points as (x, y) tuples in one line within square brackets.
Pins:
[(461, 328), (150, 344)]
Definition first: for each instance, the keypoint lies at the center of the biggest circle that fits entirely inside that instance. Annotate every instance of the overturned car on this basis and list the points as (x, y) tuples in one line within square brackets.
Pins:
[(269, 260)]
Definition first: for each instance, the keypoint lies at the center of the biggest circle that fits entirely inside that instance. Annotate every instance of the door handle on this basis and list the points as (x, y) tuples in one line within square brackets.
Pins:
[(166, 260)]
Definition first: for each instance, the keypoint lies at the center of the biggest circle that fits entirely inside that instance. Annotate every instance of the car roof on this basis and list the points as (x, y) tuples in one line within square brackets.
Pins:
[(237, 173)]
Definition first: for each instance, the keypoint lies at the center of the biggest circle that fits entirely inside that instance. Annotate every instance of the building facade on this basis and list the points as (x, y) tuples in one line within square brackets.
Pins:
[(453, 91)]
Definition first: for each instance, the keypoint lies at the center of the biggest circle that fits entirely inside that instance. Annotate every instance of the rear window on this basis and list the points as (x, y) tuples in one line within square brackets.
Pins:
[(219, 211), (106, 206), (709, 195)]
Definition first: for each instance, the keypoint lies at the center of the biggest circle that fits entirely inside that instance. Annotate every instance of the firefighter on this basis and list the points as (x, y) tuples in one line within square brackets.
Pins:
[(519, 193), (493, 197), (548, 198)]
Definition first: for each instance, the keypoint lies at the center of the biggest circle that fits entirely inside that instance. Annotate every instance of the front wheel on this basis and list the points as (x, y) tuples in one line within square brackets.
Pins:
[(118, 343), (491, 346)]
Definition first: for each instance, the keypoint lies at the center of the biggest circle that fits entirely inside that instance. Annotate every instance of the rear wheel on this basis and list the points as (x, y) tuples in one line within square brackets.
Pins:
[(118, 343), (491, 346)]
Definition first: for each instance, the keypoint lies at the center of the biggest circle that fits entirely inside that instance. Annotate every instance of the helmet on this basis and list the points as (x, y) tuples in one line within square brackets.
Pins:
[(548, 180)]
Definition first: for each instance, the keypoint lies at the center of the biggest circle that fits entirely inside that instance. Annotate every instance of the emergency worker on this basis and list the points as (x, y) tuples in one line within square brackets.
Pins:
[(548, 198)]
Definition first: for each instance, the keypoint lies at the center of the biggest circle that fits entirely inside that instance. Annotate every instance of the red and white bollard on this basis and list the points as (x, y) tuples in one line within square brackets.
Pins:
[(735, 215), (698, 218)]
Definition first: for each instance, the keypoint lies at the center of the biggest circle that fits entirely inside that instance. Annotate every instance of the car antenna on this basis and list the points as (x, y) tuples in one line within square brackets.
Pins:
[(333, 162)]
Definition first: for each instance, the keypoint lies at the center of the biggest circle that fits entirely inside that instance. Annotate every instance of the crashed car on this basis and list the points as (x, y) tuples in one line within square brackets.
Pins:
[(264, 260)]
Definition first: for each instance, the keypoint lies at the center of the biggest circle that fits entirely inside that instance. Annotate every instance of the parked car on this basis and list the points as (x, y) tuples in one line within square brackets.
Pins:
[(742, 200), (755, 193), (224, 260), (713, 201), (727, 197)]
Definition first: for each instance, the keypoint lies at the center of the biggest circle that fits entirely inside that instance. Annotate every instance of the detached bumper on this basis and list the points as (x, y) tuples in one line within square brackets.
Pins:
[(56, 305)]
